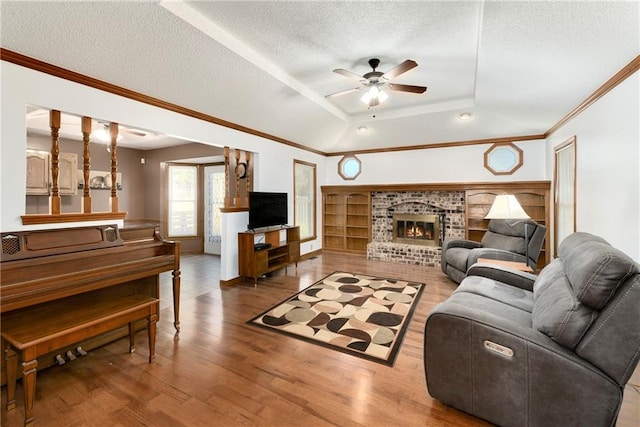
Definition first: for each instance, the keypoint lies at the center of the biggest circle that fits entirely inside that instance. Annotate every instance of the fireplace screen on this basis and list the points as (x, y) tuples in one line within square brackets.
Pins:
[(416, 229)]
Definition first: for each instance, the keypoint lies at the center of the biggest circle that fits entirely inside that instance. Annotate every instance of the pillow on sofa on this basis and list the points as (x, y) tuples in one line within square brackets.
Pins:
[(594, 268), (556, 310)]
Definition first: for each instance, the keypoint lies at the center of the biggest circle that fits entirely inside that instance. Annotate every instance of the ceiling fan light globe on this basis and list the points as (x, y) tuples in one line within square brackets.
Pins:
[(382, 96), (101, 135)]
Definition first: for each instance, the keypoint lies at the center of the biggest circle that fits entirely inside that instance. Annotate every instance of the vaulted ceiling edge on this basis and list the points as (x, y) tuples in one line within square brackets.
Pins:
[(56, 71)]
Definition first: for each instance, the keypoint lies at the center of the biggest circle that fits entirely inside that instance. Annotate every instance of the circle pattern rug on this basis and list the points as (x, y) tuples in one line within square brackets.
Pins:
[(362, 315)]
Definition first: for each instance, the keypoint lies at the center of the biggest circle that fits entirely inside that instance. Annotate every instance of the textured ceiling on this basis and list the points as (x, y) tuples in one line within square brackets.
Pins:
[(519, 67)]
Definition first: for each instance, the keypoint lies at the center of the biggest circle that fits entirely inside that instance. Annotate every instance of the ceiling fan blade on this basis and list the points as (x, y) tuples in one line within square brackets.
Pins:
[(407, 88), (348, 74), (133, 131), (400, 68), (342, 92)]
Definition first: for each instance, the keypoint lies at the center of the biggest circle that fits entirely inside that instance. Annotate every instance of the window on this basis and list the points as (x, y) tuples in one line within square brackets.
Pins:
[(349, 167), (503, 159), (565, 190), (304, 198), (214, 191), (182, 200)]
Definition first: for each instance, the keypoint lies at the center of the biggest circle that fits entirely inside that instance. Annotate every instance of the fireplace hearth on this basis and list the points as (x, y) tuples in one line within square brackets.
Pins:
[(414, 229), (442, 210)]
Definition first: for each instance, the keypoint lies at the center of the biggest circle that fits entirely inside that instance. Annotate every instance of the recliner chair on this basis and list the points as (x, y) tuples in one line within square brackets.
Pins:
[(504, 240)]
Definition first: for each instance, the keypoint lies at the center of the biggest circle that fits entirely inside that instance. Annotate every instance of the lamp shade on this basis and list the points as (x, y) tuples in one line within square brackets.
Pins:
[(506, 206)]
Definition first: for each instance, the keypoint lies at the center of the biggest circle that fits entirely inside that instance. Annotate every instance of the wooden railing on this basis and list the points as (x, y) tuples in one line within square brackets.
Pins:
[(55, 214)]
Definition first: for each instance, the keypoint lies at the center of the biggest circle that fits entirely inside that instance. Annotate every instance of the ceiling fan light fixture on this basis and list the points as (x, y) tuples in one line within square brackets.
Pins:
[(374, 96), (375, 84), (366, 98), (103, 134)]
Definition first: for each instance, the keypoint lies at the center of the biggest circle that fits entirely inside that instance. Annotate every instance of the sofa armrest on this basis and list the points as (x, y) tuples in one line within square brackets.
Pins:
[(502, 274), (460, 243), (479, 355), (493, 253)]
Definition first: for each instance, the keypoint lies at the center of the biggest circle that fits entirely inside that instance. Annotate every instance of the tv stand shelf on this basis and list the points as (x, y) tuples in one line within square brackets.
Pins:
[(254, 262)]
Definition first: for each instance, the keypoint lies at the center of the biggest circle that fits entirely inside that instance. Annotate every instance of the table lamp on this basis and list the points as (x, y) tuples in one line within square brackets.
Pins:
[(506, 206)]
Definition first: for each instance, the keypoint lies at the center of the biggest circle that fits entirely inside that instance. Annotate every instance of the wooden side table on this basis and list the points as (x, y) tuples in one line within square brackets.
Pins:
[(522, 266)]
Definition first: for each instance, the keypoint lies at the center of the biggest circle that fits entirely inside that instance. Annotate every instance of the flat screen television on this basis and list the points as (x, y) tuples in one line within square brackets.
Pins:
[(267, 209)]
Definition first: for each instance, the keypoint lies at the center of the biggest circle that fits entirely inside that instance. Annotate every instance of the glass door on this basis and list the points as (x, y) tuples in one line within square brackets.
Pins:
[(213, 201)]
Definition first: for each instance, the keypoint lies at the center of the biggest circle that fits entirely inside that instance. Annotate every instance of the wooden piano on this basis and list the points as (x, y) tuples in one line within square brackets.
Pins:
[(64, 291)]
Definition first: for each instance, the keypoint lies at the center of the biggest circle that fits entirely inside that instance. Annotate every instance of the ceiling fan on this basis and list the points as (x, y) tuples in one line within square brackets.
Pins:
[(102, 132), (376, 82)]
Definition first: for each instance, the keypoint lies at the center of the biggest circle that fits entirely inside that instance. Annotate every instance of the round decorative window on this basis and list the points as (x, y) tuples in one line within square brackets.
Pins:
[(503, 158), (349, 167)]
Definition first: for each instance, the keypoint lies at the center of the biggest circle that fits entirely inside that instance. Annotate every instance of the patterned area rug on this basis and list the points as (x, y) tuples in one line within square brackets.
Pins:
[(362, 315)]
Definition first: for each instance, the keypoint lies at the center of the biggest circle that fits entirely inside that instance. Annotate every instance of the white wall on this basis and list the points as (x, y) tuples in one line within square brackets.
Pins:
[(274, 172), (232, 222), (454, 164), (608, 153), (608, 166), (22, 87)]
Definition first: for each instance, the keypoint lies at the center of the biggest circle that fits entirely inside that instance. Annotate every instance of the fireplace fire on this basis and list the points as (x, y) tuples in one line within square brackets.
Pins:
[(416, 229)]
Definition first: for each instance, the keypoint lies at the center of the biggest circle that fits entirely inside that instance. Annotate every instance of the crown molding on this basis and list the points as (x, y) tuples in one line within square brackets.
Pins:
[(37, 65), (614, 81), (63, 73), (502, 140)]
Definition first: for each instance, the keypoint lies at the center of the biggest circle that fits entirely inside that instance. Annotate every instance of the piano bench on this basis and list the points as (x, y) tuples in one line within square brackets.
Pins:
[(39, 330)]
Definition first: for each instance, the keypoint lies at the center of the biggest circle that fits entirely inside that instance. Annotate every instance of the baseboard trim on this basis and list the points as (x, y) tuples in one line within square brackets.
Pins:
[(231, 282)]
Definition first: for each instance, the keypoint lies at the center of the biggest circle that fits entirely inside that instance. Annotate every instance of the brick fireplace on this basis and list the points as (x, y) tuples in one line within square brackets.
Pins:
[(414, 229), (415, 214)]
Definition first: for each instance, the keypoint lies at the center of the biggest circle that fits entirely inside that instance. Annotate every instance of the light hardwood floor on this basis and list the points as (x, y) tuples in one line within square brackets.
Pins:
[(218, 371)]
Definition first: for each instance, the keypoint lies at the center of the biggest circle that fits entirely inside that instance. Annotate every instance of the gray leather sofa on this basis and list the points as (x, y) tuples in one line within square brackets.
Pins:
[(504, 240), (551, 350)]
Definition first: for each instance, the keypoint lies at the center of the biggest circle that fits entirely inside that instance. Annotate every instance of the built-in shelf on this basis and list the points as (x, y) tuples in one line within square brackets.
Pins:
[(347, 221), (347, 210), (534, 199)]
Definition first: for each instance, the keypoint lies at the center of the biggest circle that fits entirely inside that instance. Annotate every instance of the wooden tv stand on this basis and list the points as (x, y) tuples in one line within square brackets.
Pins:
[(254, 262)]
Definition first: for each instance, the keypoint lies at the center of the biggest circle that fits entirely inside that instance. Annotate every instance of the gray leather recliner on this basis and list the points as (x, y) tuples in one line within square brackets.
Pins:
[(504, 240), (550, 350)]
